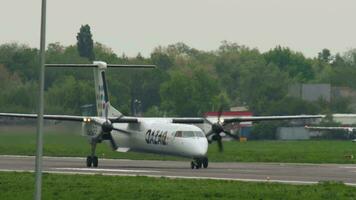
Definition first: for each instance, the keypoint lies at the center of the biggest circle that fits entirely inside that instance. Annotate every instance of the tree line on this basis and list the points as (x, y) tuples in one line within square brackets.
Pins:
[(186, 82)]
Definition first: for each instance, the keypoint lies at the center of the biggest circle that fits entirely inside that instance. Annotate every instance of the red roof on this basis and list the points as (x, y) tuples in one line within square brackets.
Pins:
[(231, 113)]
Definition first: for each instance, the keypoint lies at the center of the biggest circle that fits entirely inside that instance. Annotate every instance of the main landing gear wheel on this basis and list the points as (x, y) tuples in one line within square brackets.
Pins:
[(89, 161), (195, 165), (95, 161), (198, 163), (205, 162), (92, 161), (192, 165)]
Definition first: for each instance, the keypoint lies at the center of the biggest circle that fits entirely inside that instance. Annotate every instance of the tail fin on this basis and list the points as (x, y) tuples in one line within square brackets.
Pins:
[(101, 91), (101, 87)]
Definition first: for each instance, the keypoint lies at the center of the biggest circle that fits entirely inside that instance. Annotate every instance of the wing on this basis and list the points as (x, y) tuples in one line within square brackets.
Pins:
[(247, 119), (192, 120), (195, 120), (270, 118), (330, 128), (49, 117), (70, 118)]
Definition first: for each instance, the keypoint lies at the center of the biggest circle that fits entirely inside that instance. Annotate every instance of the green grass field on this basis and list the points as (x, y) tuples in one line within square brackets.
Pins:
[(65, 144), (57, 186)]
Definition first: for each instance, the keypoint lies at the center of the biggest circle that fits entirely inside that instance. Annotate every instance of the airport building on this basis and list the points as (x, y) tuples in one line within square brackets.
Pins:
[(300, 133), (315, 92)]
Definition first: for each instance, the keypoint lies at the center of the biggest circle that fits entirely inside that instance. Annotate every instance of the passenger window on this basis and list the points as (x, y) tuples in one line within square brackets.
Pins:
[(178, 134), (188, 134)]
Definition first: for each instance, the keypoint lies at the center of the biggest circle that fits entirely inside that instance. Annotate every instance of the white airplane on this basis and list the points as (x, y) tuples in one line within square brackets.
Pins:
[(349, 129), (168, 136)]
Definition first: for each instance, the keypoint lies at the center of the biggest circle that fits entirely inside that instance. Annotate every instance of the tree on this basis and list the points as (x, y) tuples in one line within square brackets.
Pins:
[(192, 95), (68, 94), (294, 63), (16, 96), (103, 52), (325, 55), (21, 59), (85, 43), (162, 60), (228, 65), (176, 95), (260, 85)]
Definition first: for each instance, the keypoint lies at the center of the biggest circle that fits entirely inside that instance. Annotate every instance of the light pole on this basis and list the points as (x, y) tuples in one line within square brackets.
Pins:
[(39, 150)]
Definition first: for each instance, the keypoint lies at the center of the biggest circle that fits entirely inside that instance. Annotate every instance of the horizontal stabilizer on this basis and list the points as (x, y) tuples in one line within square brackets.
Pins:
[(97, 65)]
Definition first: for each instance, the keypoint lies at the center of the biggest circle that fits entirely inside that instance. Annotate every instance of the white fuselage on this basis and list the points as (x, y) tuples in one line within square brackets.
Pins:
[(157, 135)]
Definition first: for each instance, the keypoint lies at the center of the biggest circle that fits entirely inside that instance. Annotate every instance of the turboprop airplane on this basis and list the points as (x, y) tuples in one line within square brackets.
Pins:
[(349, 129), (169, 136)]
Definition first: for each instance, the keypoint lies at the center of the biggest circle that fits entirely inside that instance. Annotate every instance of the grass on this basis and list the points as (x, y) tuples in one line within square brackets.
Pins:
[(14, 185), (57, 143)]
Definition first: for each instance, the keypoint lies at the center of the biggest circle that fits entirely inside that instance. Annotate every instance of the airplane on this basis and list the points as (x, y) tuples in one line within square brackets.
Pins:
[(349, 129), (165, 136)]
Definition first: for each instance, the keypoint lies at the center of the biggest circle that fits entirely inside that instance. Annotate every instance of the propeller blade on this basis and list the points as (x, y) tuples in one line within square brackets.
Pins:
[(209, 122), (209, 133), (220, 113), (220, 145), (106, 111), (231, 135), (112, 142), (122, 130)]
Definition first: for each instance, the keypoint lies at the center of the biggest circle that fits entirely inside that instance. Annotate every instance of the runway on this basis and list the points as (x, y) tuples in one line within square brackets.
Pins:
[(256, 172)]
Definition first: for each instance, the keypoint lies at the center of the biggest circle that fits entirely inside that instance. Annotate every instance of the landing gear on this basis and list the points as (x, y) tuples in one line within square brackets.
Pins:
[(205, 162), (92, 160), (198, 163), (195, 164)]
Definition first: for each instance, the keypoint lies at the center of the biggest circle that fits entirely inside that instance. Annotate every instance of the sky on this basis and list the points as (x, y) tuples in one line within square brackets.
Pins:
[(133, 26)]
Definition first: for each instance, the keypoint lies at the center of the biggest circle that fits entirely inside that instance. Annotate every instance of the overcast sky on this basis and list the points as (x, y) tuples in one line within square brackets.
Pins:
[(133, 26)]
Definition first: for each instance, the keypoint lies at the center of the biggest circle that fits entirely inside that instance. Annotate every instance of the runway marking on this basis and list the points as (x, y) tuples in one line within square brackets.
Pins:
[(106, 170), (348, 167), (66, 157)]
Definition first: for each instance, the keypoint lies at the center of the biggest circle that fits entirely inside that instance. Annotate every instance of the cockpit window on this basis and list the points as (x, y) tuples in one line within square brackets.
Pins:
[(199, 134), (188, 134), (178, 134)]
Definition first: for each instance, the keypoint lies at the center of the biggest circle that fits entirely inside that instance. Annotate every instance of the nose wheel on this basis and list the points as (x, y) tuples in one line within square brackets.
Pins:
[(198, 163), (92, 160)]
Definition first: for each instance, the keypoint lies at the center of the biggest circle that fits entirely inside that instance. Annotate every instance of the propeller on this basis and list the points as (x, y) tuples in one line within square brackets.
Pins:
[(107, 127), (216, 129)]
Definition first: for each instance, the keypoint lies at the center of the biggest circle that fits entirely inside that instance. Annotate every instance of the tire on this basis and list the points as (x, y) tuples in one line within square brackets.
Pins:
[(89, 161), (95, 161), (199, 164), (205, 162)]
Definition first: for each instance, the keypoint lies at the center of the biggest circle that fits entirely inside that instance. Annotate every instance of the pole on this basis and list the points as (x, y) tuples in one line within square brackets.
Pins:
[(39, 151)]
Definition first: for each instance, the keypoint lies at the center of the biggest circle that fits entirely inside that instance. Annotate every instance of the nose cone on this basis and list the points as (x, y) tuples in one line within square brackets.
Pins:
[(201, 147)]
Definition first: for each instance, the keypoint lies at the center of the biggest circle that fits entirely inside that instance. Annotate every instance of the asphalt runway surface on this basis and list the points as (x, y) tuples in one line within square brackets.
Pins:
[(256, 172)]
